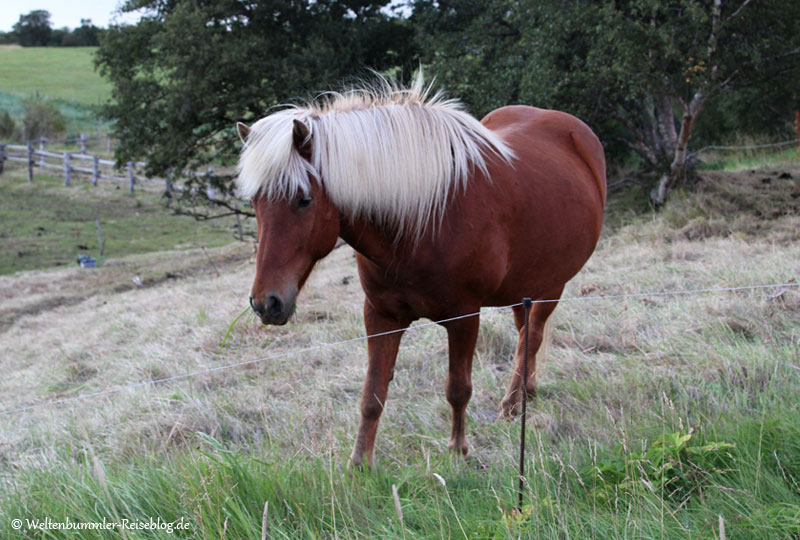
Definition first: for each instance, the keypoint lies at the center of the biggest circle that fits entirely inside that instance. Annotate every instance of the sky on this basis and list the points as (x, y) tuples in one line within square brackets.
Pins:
[(64, 12)]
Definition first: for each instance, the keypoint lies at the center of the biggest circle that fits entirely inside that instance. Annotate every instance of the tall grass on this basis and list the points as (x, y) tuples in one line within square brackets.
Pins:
[(221, 493)]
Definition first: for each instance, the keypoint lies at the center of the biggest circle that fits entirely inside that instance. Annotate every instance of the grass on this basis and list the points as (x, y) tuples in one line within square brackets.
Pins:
[(686, 406), (64, 73), (725, 160), (45, 224), (219, 493)]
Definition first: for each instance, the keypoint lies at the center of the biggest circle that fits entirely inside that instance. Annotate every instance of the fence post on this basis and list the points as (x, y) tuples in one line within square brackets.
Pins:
[(67, 168), (210, 190), (130, 175), (95, 169), (168, 183), (2, 156), (42, 142), (30, 161), (83, 143)]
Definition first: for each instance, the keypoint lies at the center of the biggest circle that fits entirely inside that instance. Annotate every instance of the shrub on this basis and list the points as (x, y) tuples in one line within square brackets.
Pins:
[(42, 119), (8, 128)]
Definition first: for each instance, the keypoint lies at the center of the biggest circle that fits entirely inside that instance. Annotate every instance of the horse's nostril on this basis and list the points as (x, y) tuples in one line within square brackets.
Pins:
[(257, 307), (274, 306)]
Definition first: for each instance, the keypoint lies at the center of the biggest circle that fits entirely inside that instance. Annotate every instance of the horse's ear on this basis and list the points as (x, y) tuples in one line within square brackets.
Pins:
[(301, 136), (243, 131)]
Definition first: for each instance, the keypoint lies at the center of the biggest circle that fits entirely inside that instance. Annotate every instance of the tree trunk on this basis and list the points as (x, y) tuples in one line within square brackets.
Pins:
[(690, 113), (676, 169)]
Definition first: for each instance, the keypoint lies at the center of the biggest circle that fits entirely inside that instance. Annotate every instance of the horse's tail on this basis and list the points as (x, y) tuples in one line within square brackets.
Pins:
[(591, 151)]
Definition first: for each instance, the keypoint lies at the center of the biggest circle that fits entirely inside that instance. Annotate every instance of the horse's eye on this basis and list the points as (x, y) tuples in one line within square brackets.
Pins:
[(303, 202)]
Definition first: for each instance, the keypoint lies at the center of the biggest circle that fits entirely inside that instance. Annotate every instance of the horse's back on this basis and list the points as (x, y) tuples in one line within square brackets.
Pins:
[(563, 136), (556, 188)]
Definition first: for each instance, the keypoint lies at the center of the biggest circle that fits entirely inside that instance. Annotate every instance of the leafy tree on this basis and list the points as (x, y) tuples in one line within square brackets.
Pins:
[(59, 35), (475, 49), (188, 71), (86, 35), (641, 72), (8, 38), (34, 29)]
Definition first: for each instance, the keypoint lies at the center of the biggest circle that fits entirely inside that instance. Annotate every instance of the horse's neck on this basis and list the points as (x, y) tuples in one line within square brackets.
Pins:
[(371, 241)]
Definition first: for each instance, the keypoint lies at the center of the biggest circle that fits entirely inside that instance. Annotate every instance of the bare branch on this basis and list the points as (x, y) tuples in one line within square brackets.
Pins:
[(740, 8)]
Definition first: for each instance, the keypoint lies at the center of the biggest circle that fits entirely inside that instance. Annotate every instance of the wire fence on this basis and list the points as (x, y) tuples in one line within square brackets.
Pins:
[(782, 288), (779, 144)]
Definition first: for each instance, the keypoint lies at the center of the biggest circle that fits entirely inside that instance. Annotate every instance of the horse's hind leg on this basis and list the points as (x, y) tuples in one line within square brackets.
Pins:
[(538, 321)]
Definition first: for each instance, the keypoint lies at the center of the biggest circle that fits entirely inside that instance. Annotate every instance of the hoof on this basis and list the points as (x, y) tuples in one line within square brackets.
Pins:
[(357, 464), (509, 407), (357, 468), (458, 448)]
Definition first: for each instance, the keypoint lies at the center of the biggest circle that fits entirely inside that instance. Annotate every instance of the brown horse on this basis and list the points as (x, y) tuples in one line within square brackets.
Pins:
[(446, 214)]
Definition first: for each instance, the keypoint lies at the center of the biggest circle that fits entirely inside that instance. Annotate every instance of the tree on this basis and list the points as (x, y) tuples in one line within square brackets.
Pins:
[(86, 35), (654, 66), (34, 29), (641, 72), (188, 71)]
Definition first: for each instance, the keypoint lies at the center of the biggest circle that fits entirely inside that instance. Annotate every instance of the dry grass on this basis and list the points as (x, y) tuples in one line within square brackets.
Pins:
[(614, 364)]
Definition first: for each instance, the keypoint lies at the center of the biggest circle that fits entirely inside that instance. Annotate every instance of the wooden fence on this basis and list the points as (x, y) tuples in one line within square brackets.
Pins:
[(90, 165)]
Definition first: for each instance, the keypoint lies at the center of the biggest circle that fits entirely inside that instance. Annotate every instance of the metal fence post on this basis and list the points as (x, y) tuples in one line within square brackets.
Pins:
[(2, 156), (30, 161), (95, 169), (130, 175), (67, 168), (42, 142)]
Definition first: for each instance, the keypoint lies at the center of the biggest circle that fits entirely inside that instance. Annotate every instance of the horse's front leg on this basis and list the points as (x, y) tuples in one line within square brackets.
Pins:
[(382, 352), (461, 336)]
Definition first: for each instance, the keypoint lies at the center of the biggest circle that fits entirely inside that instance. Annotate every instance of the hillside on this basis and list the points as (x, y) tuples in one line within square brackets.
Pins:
[(65, 73), (719, 372)]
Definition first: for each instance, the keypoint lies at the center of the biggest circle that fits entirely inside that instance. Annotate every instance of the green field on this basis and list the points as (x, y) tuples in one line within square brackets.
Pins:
[(45, 224), (64, 73)]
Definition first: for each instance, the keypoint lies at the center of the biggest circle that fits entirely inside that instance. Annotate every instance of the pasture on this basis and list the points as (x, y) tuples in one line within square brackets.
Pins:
[(64, 76), (656, 417), (63, 73), (46, 225)]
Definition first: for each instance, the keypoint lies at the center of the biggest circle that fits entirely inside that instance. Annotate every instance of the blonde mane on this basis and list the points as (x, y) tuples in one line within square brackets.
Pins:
[(382, 152)]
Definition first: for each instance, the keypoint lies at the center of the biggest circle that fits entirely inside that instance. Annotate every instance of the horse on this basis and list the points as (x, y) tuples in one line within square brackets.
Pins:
[(446, 214)]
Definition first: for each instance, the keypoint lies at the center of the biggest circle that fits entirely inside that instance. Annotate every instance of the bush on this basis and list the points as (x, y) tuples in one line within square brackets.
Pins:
[(8, 128), (42, 119)]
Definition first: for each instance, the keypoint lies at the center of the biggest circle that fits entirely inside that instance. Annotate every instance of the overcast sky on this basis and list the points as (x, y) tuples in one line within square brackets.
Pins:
[(64, 12)]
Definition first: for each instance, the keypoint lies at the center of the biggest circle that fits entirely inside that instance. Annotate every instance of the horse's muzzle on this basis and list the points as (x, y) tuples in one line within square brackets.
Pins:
[(273, 310)]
